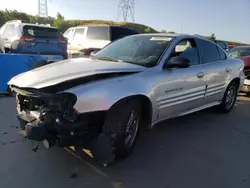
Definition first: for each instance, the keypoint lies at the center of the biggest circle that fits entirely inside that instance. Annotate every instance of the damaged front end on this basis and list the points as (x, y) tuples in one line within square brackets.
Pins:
[(51, 119)]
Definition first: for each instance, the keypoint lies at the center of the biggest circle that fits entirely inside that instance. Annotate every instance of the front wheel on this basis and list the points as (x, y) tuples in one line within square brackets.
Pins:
[(229, 97), (122, 125)]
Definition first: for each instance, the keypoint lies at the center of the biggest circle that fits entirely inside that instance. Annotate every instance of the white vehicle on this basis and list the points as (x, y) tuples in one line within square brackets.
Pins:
[(85, 39), (2, 45)]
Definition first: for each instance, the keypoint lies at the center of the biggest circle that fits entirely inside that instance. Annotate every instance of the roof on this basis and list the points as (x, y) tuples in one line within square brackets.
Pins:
[(86, 25), (173, 35)]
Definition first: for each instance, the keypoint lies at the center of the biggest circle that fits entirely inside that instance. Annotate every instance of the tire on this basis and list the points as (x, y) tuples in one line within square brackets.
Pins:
[(229, 97), (116, 126)]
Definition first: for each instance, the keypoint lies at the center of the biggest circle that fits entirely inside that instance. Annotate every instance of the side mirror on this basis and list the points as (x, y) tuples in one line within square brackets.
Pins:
[(178, 62)]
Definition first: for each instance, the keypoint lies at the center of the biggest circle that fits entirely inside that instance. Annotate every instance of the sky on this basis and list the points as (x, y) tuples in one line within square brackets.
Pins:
[(228, 19)]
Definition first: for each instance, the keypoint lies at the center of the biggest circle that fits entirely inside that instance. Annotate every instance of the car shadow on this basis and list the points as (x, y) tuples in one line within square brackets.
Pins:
[(175, 153)]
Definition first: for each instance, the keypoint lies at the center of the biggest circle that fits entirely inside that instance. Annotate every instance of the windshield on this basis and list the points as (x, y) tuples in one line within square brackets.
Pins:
[(239, 52), (144, 50)]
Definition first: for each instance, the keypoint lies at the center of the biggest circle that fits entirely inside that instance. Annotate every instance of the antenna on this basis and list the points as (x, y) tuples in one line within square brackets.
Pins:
[(126, 9), (42, 8)]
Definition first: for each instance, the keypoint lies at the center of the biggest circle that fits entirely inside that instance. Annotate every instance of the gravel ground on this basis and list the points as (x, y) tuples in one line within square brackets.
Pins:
[(201, 150)]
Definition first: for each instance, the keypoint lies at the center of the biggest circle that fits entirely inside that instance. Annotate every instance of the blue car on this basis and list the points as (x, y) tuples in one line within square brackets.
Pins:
[(25, 38)]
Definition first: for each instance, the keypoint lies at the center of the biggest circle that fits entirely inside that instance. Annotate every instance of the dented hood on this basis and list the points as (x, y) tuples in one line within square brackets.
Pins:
[(70, 69)]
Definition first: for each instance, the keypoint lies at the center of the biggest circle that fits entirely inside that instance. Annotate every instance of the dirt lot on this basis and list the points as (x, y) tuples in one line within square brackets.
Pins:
[(202, 150)]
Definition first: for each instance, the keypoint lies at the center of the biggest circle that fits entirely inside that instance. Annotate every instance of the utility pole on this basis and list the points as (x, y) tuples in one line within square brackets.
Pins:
[(42, 8), (126, 9)]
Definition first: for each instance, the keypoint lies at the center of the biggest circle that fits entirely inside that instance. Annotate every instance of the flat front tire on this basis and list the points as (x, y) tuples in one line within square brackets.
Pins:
[(122, 126)]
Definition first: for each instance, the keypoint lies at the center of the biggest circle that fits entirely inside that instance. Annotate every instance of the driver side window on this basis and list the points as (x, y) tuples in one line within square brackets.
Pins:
[(187, 48)]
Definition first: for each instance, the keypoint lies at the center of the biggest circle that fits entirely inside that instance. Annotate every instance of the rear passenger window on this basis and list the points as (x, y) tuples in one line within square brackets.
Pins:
[(98, 33), (209, 51), (222, 54), (79, 33)]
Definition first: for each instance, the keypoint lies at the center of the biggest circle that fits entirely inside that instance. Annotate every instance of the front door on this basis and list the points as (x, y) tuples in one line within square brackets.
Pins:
[(184, 88)]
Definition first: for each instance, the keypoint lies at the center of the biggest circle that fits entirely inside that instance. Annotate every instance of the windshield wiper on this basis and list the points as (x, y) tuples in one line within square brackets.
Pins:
[(107, 58)]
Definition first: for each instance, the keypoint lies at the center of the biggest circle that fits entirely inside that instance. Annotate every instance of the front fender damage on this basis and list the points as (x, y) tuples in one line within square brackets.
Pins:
[(50, 118)]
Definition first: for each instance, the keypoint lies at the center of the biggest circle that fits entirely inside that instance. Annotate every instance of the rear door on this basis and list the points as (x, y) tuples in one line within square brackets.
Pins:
[(217, 70), (43, 40)]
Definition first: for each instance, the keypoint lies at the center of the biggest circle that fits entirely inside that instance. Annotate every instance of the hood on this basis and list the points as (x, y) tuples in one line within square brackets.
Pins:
[(70, 69), (246, 60)]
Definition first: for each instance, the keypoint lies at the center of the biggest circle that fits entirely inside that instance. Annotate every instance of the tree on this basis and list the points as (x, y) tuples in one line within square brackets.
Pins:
[(59, 17), (212, 37), (148, 30), (59, 22), (163, 31), (171, 32)]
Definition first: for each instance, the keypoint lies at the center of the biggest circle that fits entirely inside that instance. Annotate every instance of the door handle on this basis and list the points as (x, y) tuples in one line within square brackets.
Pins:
[(200, 75), (227, 69)]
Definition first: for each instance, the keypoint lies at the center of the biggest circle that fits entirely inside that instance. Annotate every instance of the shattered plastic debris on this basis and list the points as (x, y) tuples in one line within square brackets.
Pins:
[(35, 145), (102, 150)]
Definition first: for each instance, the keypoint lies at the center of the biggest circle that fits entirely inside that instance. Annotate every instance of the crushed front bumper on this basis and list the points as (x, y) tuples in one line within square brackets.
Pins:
[(51, 117)]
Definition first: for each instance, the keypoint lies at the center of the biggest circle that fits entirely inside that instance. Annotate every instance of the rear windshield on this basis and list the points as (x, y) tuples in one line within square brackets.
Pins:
[(41, 32)]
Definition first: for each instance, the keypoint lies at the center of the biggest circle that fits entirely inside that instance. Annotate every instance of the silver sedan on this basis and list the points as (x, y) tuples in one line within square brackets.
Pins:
[(101, 102)]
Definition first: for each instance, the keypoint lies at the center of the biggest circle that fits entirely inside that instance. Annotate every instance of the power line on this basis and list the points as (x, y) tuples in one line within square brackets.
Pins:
[(126, 10), (42, 8)]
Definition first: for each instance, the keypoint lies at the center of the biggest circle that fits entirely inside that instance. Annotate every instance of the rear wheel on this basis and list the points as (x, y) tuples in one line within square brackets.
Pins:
[(122, 126), (229, 97)]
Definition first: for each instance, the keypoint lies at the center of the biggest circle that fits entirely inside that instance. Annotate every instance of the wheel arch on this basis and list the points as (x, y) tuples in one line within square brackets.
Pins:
[(146, 106), (237, 80)]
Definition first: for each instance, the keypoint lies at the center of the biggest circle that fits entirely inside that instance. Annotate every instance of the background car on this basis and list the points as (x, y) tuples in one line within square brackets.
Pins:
[(243, 53), (25, 38), (137, 81), (85, 39), (1, 45), (223, 45)]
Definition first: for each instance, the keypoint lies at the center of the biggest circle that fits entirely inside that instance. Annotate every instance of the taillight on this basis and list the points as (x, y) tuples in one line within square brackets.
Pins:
[(63, 40), (26, 38)]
